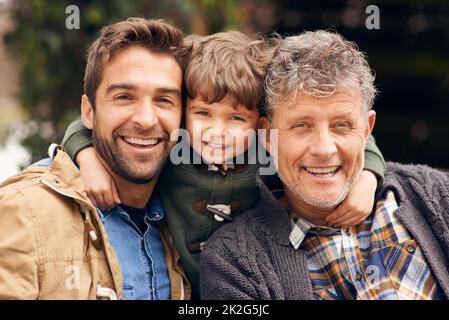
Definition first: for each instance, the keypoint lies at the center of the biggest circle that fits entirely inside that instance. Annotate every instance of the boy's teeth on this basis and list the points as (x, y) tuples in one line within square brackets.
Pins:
[(216, 146), (142, 142), (321, 170)]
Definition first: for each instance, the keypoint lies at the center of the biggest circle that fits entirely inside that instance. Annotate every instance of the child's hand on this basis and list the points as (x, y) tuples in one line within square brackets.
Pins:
[(100, 186), (358, 204)]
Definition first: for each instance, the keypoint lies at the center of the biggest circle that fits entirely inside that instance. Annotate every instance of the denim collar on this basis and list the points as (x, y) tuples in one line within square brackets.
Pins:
[(154, 211)]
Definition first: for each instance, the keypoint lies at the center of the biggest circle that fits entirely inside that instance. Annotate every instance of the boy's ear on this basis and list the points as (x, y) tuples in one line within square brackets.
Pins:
[(264, 123), (87, 112)]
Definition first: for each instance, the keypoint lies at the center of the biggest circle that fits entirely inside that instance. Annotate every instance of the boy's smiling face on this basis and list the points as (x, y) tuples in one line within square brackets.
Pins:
[(222, 130)]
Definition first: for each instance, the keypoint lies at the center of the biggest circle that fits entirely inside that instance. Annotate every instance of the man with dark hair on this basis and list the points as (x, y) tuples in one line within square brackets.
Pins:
[(54, 243)]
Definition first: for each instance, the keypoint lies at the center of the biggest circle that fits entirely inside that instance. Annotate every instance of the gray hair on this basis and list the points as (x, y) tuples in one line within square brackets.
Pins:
[(317, 63)]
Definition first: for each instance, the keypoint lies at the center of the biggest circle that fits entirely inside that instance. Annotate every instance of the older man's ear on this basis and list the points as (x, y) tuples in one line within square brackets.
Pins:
[(371, 122), (264, 123), (87, 112)]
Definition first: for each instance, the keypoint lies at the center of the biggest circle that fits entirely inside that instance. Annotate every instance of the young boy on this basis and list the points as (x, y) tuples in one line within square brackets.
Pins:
[(224, 82)]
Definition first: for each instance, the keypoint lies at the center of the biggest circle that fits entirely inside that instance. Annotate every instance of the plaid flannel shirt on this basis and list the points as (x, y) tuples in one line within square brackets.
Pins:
[(375, 260)]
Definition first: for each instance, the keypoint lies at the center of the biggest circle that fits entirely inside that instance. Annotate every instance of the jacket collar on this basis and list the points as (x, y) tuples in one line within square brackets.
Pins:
[(63, 177)]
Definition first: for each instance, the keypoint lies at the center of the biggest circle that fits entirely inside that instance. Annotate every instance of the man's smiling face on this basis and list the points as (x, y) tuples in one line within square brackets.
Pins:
[(320, 146), (138, 104)]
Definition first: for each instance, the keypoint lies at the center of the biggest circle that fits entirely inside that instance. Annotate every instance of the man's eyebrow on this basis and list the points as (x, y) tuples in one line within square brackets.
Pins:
[(116, 86), (195, 106), (299, 117), (343, 115), (168, 90), (128, 86)]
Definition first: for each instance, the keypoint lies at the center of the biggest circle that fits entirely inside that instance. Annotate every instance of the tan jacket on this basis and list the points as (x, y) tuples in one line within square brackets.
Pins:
[(53, 244)]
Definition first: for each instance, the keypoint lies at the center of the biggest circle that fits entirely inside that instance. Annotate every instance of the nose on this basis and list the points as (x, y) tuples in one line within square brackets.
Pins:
[(145, 115), (215, 131), (323, 145), (217, 128)]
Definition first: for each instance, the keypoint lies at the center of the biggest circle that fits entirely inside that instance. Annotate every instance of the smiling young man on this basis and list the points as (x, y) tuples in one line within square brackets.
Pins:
[(320, 92), (54, 243)]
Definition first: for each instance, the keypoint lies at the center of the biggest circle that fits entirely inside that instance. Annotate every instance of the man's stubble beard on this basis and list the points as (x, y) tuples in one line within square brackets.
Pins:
[(323, 203), (117, 162)]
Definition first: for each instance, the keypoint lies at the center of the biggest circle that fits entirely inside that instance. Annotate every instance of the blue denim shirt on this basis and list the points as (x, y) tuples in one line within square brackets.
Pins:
[(141, 256)]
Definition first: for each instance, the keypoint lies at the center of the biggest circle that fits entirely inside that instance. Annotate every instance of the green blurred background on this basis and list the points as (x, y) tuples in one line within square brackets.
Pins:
[(42, 62)]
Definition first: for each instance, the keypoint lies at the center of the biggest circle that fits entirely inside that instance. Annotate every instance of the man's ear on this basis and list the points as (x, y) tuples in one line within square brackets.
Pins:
[(87, 112), (371, 121), (264, 123)]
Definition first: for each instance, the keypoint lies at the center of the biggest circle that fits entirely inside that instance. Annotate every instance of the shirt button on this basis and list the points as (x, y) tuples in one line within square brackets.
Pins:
[(157, 215), (410, 249), (358, 276)]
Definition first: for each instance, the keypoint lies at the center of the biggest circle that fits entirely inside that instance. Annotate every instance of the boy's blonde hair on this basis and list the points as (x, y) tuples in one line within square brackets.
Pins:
[(228, 63)]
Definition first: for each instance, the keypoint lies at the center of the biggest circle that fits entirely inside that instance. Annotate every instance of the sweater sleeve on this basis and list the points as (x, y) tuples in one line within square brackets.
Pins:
[(77, 137), (374, 161), (223, 276)]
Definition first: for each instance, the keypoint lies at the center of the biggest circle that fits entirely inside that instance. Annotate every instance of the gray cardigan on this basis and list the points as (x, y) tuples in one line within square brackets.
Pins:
[(252, 258)]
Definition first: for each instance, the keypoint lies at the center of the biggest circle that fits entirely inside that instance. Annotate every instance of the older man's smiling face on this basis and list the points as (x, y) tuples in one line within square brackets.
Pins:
[(320, 146)]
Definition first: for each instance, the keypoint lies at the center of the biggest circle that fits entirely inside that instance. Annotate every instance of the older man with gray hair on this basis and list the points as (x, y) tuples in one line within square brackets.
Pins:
[(320, 93)]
